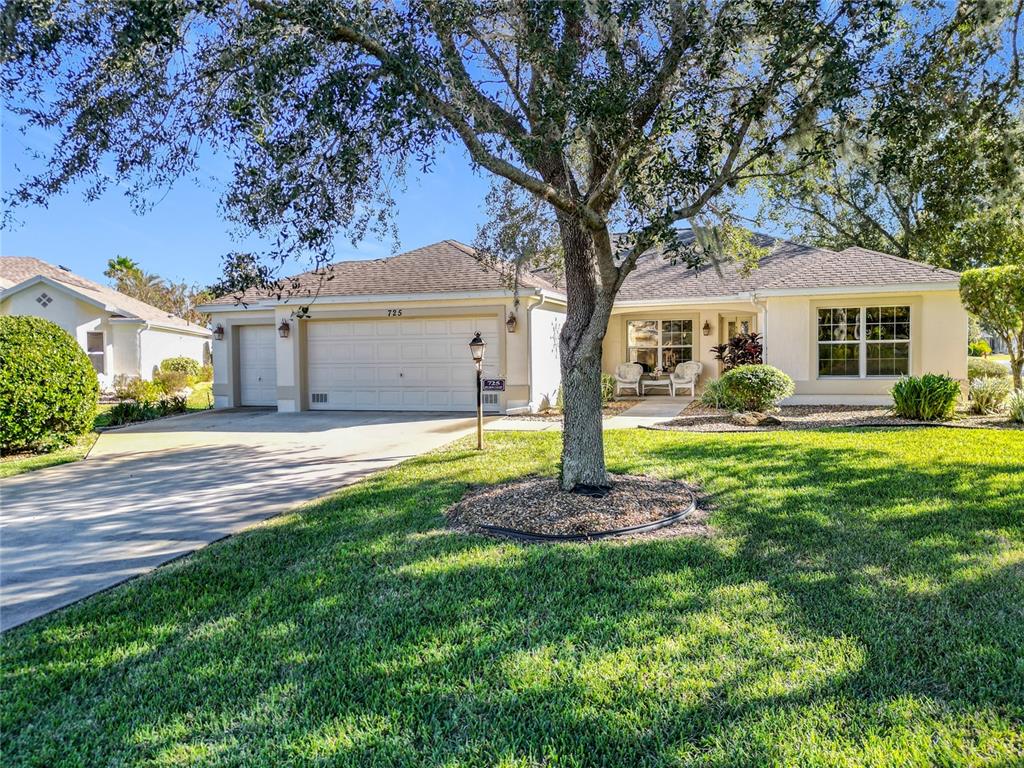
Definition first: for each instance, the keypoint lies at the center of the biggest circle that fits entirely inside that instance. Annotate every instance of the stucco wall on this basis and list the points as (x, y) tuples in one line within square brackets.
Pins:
[(545, 369), (938, 343), (157, 345)]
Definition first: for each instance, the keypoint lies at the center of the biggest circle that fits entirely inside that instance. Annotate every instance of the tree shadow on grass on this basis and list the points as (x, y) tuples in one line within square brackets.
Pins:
[(360, 632)]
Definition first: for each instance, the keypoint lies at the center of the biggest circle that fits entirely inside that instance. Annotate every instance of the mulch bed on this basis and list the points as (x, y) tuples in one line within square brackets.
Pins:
[(698, 418), (613, 408), (537, 505)]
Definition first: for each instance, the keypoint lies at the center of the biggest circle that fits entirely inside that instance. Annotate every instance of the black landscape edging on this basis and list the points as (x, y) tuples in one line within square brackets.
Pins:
[(526, 536)]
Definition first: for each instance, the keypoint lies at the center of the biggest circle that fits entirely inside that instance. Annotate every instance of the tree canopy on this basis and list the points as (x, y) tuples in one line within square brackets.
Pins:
[(924, 156), (996, 296)]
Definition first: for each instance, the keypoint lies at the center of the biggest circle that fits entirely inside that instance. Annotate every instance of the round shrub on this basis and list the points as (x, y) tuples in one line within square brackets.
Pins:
[(48, 388), (756, 387), (980, 368), (185, 365)]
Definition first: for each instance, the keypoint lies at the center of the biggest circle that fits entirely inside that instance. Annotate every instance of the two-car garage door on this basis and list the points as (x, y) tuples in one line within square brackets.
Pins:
[(407, 364)]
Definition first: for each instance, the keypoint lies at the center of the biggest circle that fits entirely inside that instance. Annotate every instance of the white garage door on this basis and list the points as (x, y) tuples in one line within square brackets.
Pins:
[(257, 365), (401, 364)]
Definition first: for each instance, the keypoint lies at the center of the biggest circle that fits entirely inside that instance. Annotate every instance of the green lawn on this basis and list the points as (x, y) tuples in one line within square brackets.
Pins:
[(26, 462), (861, 604)]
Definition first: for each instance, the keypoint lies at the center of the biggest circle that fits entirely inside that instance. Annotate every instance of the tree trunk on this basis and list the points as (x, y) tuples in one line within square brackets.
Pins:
[(586, 321), (1016, 365)]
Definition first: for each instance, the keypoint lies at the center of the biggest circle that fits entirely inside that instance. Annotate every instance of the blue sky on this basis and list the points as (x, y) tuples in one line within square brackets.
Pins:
[(183, 236)]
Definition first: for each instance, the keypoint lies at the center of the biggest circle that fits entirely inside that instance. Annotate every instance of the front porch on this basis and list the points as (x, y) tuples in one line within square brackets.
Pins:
[(660, 338)]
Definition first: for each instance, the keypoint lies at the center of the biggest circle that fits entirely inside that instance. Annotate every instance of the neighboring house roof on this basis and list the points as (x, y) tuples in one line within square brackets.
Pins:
[(452, 267), (447, 266), (18, 270)]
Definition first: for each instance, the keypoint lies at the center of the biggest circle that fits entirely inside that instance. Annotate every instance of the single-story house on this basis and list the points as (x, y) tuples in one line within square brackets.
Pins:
[(120, 334), (392, 334)]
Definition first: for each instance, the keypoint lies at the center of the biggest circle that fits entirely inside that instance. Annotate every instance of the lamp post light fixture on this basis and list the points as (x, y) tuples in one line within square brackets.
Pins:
[(218, 333), (707, 328), (476, 349), (284, 329)]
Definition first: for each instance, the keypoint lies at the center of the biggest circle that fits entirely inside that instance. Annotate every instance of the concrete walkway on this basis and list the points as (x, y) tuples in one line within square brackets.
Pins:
[(153, 492), (649, 411)]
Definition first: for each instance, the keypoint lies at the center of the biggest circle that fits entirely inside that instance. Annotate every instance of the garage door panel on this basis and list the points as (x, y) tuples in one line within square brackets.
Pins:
[(397, 364), (257, 365)]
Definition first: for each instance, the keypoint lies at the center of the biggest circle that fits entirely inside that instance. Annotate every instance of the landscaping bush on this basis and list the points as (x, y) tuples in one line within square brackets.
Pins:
[(927, 397), (607, 388), (716, 395), (171, 381), (185, 365), (979, 348), (980, 368), (1015, 406), (130, 411), (741, 349), (989, 395), (757, 387), (205, 373), (48, 388), (136, 389)]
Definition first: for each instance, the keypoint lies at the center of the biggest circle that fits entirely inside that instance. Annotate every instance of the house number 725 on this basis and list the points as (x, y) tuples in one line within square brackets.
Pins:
[(394, 313)]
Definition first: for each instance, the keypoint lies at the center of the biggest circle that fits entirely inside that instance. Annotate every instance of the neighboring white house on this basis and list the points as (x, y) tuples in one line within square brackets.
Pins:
[(392, 334), (120, 334)]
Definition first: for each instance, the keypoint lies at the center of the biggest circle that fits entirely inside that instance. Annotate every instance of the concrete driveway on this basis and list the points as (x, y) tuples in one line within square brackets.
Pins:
[(152, 492)]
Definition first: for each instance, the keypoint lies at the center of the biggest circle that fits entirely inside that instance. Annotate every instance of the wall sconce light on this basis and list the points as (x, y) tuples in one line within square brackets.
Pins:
[(284, 329), (511, 322), (707, 328), (218, 333)]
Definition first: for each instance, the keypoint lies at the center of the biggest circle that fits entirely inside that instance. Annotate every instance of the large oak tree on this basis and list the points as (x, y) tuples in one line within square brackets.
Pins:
[(615, 113)]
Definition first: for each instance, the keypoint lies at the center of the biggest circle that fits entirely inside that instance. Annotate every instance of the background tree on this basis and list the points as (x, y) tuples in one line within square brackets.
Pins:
[(925, 154), (996, 296), (627, 114), (179, 299)]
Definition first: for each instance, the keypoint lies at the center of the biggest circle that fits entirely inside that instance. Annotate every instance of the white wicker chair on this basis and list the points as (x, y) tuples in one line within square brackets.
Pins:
[(685, 376), (627, 376)]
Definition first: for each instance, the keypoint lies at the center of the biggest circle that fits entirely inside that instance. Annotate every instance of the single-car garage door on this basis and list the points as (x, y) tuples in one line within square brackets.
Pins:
[(400, 364), (257, 365)]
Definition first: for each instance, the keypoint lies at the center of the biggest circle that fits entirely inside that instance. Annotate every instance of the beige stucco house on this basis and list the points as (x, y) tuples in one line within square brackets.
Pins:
[(121, 335), (393, 334)]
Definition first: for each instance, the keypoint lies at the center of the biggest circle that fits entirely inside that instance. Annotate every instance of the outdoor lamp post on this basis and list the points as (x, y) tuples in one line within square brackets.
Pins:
[(476, 348)]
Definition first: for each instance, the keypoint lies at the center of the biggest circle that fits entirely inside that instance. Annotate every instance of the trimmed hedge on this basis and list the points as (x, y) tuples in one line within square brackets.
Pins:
[(756, 387), (185, 365), (48, 388), (980, 368)]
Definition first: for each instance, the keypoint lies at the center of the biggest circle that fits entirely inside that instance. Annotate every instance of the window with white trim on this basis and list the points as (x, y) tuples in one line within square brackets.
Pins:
[(659, 344), (96, 349), (864, 342)]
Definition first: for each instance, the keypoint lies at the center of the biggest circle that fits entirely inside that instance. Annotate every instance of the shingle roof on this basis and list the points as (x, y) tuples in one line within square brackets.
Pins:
[(451, 266), (789, 266), (17, 269), (445, 266)]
